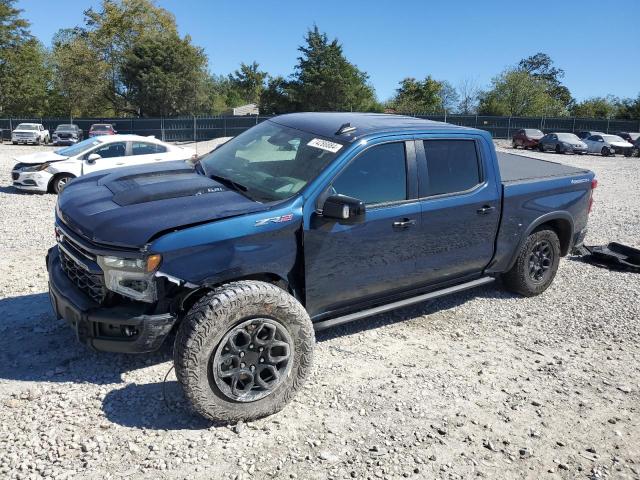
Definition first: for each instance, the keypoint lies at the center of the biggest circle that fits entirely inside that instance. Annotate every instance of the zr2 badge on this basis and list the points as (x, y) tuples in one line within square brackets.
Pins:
[(281, 219)]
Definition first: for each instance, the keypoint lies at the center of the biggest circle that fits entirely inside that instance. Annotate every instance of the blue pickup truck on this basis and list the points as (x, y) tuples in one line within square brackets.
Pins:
[(303, 222)]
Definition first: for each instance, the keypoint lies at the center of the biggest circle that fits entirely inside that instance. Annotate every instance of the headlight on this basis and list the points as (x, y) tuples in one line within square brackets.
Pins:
[(36, 168), (131, 277)]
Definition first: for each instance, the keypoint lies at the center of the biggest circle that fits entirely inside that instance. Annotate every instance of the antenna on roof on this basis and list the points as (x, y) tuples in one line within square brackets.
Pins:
[(345, 128)]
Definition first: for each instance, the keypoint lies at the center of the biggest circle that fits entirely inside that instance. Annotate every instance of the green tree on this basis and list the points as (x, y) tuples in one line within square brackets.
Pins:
[(277, 97), (112, 31), (324, 80), (542, 66), (415, 96), (24, 72), (597, 107), (518, 93), (629, 108), (165, 75), (79, 76), (249, 82)]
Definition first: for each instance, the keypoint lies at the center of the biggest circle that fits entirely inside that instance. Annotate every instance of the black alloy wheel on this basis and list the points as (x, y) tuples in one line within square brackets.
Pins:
[(540, 261), (253, 359)]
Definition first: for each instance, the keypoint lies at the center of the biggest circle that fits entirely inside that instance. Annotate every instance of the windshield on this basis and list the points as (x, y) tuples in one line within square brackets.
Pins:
[(634, 136), (568, 137), (613, 138), (270, 161), (27, 126), (78, 148), (532, 132), (65, 127), (100, 127)]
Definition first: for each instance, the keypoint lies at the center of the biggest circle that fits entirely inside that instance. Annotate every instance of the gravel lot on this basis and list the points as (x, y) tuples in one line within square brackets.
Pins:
[(479, 384)]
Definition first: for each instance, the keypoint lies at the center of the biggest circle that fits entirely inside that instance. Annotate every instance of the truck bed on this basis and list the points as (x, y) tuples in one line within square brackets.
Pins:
[(519, 168)]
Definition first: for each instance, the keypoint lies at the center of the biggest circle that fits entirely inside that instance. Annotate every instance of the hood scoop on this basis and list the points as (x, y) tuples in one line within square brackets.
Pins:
[(145, 187)]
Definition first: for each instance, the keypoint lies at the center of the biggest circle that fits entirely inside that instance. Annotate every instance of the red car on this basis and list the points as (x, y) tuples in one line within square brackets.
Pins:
[(101, 129), (526, 138)]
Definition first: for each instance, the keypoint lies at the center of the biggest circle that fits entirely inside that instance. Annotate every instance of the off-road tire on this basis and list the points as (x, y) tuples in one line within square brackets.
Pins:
[(518, 279), (207, 323)]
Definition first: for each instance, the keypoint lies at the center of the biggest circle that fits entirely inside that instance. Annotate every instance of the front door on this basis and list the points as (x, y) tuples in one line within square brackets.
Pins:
[(112, 155), (345, 263)]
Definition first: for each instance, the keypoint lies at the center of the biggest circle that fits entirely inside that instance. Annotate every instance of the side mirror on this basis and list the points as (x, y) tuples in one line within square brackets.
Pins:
[(93, 157), (343, 208)]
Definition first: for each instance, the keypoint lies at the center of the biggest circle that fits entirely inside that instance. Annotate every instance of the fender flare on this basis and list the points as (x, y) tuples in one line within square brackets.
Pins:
[(547, 217)]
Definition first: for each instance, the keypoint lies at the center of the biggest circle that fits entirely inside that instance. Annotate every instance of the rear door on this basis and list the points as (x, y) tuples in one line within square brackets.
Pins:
[(345, 264), (147, 152), (460, 207)]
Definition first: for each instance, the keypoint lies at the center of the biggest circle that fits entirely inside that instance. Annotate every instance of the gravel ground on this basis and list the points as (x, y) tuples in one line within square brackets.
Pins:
[(479, 384)]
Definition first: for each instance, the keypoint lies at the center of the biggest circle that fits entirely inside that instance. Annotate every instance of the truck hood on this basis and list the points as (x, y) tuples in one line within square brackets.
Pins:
[(39, 157), (127, 207)]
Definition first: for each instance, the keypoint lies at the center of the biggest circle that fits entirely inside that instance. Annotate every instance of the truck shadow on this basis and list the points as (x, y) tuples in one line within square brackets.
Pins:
[(36, 347)]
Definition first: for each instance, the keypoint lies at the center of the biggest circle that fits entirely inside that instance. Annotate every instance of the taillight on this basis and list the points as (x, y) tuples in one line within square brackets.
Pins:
[(594, 185)]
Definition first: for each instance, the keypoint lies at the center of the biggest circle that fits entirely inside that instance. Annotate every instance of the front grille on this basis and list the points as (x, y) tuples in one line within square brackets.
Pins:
[(89, 283), (15, 175)]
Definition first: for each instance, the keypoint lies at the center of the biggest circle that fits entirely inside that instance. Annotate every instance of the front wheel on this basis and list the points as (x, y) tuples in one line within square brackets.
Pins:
[(605, 152), (536, 265), (243, 351), (559, 149), (541, 147), (60, 182)]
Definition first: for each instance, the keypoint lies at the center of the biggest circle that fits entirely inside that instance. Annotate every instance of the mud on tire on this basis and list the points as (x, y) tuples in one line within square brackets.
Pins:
[(217, 315), (536, 265)]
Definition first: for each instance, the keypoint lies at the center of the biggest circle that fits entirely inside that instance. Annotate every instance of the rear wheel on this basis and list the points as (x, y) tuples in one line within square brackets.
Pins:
[(243, 351), (536, 265)]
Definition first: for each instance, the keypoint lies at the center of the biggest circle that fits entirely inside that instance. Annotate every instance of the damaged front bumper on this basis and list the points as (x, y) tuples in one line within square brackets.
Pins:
[(126, 328)]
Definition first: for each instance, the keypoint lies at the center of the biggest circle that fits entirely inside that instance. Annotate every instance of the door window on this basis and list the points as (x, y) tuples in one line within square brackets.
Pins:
[(144, 148), (452, 166), (111, 150), (378, 175)]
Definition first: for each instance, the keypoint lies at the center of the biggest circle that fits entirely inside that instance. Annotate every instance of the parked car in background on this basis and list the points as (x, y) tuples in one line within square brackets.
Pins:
[(562, 143), (607, 145), (526, 138), (631, 137), (30, 133), (101, 129), (51, 171), (582, 134), (66, 134)]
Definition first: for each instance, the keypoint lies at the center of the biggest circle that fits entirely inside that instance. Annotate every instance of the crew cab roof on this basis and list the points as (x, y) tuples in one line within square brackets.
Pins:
[(327, 124)]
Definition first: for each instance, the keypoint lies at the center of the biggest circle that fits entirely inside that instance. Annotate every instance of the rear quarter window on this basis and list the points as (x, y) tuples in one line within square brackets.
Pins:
[(452, 166)]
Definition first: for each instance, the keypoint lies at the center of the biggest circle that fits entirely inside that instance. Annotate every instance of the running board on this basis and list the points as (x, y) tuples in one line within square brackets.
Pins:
[(332, 322)]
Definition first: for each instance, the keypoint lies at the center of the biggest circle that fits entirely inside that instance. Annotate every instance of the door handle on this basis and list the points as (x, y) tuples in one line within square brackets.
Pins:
[(485, 210), (404, 223)]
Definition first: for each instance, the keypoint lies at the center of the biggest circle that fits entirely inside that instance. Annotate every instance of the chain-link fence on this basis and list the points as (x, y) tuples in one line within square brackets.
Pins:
[(186, 129)]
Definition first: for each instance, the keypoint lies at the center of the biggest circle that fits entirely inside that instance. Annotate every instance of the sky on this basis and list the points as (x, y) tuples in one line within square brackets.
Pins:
[(597, 43)]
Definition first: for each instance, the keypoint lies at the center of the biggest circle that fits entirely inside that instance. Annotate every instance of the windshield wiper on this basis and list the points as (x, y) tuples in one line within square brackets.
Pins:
[(238, 187)]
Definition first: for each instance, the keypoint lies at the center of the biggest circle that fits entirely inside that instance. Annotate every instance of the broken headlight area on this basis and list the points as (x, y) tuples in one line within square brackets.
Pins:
[(131, 277)]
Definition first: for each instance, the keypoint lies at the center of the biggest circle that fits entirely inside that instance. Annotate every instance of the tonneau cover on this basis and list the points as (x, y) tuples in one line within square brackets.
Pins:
[(517, 168)]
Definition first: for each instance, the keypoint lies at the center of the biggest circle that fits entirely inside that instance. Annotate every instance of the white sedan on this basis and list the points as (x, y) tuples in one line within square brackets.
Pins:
[(50, 171), (607, 145)]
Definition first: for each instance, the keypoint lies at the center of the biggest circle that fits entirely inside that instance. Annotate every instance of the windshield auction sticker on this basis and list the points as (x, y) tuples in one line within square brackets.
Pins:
[(325, 145)]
